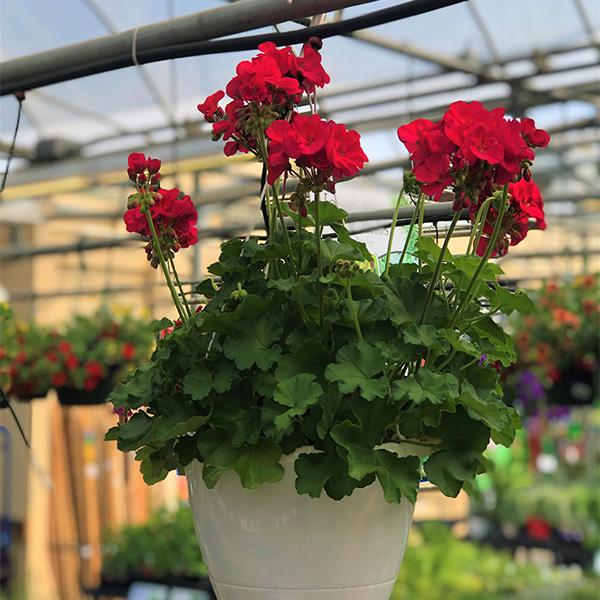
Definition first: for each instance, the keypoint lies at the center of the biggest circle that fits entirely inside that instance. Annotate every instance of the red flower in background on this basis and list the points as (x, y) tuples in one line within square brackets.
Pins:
[(128, 351), (64, 347), (71, 362), (59, 380), (94, 369), (90, 384)]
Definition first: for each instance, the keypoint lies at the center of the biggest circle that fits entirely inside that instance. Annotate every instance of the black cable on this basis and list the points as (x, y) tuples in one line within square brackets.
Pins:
[(5, 403), (20, 97), (233, 44)]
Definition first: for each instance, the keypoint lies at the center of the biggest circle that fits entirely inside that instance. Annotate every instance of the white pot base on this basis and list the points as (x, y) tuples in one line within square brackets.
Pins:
[(273, 544), (379, 591)]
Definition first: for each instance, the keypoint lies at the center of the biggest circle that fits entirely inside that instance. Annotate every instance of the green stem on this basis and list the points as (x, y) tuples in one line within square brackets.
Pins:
[(488, 252), (319, 258), (479, 219), (438, 266), (161, 259), (353, 311), (392, 230), (452, 354), (411, 227), (286, 235), (184, 301)]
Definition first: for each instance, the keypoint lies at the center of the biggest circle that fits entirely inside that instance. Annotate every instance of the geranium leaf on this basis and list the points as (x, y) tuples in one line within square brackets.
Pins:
[(165, 429), (298, 393), (240, 419), (254, 343), (312, 472), (328, 213), (486, 407), (420, 335), (197, 382), (457, 458), (259, 464), (426, 385), (134, 434), (406, 299), (357, 366), (398, 476)]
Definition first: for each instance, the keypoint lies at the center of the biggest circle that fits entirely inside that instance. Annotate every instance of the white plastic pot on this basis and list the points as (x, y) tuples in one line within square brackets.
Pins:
[(273, 544)]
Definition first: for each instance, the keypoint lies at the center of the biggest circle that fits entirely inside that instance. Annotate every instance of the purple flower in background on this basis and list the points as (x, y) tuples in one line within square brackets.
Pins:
[(482, 358), (529, 388)]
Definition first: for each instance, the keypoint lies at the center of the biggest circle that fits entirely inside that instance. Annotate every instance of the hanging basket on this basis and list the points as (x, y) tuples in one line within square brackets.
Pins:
[(272, 543), (75, 397)]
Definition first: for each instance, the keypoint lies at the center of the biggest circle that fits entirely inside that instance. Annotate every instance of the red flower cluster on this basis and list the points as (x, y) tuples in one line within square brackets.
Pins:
[(525, 204), (476, 151), (142, 170), (264, 89), (174, 219), (324, 149), (471, 149)]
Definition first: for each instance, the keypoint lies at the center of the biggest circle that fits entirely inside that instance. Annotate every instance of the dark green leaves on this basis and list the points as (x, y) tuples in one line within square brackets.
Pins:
[(357, 366), (254, 343), (426, 385), (134, 434), (255, 464), (298, 393)]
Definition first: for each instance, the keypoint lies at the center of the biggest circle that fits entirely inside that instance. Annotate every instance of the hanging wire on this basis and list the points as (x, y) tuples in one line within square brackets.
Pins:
[(5, 403), (20, 96)]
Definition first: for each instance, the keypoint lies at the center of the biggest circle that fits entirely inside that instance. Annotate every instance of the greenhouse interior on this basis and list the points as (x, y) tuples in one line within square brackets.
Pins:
[(300, 300)]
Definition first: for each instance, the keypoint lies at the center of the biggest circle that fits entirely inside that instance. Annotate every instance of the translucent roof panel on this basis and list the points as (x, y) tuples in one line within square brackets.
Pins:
[(480, 31)]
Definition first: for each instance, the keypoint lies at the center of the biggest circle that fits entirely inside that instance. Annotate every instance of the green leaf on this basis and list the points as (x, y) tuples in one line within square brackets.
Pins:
[(367, 311), (426, 385), (483, 405), (137, 391), (356, 366), (259, 464), (198, 382), (517, 300), (254, 343), (134, 434), (420, 335), (239, 418), (463, 441), (507, 436), (312, 472), (406, 299), (310, 357), (255, 464), (430, 252), (344, 237), (329, 213), (469, 265), (165, 429), (225, 322), (398, 476), (298, 393), (332, 250)]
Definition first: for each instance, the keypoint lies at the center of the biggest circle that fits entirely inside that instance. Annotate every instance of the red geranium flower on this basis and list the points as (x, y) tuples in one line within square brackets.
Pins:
[(94, 369), (128, 351), (90, 384), (59, 379), (71, 362)]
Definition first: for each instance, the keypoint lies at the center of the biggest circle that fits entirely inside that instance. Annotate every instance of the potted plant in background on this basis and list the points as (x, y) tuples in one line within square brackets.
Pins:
[(95, 352), (25, 356), (300, 401), (558, 348)]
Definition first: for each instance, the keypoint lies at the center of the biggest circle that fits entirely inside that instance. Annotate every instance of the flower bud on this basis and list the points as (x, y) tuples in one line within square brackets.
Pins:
[(411, 185)]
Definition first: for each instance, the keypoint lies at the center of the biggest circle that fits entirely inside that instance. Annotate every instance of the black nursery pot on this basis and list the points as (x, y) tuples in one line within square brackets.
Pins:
[(576, 387), (75, 397)]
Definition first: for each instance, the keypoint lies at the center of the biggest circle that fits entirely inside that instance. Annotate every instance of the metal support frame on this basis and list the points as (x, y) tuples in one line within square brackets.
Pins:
[(155, 42)]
